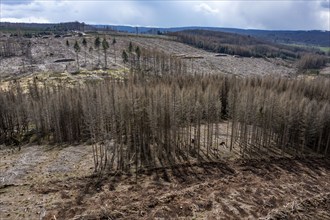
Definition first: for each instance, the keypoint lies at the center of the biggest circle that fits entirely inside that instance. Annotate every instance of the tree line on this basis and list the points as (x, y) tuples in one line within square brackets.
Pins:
[(235, 44)]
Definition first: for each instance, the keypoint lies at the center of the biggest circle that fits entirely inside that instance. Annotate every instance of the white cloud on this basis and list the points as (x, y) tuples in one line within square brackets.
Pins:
[(203, 7), (25, 19), (15, 2)]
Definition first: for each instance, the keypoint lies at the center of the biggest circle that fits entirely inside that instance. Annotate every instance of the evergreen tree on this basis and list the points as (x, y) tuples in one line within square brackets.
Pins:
[(76, 48), (105, 46), (114, 48), (138, 52), (84, 43), (124, 56), (130, 47), (97, 44)]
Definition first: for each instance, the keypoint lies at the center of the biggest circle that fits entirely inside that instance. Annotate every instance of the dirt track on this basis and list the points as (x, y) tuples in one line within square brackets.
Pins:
[(43, 183)]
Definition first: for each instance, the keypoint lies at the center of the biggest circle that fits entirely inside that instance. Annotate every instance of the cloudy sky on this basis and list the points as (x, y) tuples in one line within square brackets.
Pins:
[(257, 14)]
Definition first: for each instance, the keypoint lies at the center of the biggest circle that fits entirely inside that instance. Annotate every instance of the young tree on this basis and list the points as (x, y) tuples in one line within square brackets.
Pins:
[(97, 44), (130, 47), (67, 43), (124, 56), (138, 52), (84, 43), (105, 47), (114, 48), (76, 48), (138, 55)]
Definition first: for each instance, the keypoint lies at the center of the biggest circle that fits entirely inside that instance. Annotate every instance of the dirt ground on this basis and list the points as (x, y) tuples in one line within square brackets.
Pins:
[(40, 182)]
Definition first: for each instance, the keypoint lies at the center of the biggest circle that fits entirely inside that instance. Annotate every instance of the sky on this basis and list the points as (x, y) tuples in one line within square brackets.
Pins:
[(246, 14)]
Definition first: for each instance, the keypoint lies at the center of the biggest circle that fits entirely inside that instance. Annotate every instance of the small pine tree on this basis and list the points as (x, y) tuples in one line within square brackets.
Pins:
[(105, 46), (114, 48), (97, 44), (130, 47), (138, 52), (84, 43), (76, 48), (124, 56), (138, 55)]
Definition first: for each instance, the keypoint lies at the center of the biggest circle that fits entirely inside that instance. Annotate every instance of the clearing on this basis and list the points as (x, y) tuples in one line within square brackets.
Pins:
[(58, 183)]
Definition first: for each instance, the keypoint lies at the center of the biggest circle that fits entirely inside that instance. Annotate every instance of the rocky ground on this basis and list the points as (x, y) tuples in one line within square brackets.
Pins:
[(40, 182)]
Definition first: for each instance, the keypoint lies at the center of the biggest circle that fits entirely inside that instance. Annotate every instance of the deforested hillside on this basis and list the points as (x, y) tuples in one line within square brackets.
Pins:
[(141, 110), (54, 57), (147, 127), (236, 44)]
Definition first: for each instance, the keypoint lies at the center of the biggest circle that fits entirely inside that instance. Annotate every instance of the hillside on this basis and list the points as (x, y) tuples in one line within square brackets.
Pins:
[(45, 52), (113, 125), (235, 44), (311, 37)]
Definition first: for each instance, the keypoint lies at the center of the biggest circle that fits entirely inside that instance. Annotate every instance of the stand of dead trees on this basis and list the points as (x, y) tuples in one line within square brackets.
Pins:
[(17, 47), (161, 116)]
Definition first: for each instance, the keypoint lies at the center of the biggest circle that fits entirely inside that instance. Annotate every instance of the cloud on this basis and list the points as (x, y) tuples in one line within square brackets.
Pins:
[(26, 19), (257, 14), (203, 7), (326, 4), (15, 2)]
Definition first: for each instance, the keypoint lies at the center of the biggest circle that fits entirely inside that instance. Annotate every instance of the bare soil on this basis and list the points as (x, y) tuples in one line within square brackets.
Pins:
[(40, 182)]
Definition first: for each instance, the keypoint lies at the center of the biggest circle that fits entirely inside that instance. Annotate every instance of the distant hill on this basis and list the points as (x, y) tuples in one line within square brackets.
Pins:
[(236, 44), (37, 27), (313, 37)]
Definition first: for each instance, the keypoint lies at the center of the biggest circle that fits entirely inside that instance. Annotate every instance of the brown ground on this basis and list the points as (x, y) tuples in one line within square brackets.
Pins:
[(39, 182)]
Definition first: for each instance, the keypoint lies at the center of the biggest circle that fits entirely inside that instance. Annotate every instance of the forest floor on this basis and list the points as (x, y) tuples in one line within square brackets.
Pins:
[(40, 182)]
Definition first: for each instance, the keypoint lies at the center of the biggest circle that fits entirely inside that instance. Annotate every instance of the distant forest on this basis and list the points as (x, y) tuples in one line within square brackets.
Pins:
[(49, 27), (235, 44), (310, 38), (316, 38)]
